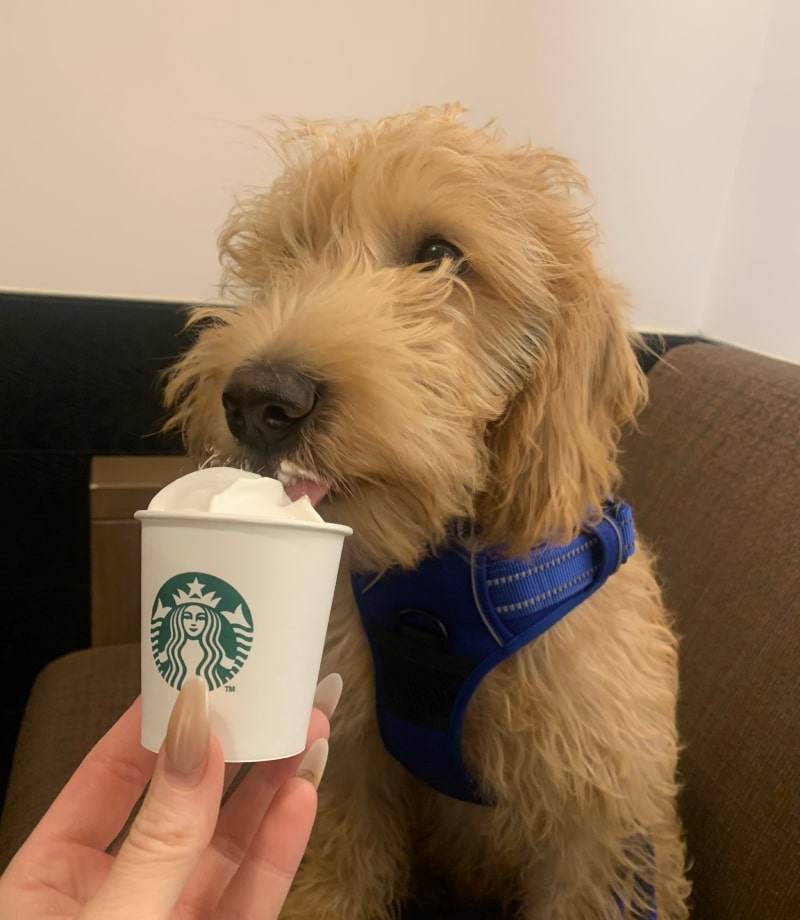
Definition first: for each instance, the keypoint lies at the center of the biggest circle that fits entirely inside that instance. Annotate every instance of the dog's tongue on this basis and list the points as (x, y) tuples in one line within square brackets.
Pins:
[(313, 490)]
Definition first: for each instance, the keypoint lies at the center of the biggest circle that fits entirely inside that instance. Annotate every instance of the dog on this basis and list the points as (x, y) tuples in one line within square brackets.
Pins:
[(416, 334)]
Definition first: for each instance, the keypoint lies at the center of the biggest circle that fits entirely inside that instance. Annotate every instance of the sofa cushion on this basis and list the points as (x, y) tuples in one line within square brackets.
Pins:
[(73, 702)]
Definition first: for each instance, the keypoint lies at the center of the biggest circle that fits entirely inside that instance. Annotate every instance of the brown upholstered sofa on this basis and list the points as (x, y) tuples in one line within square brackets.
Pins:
[(713, 475)]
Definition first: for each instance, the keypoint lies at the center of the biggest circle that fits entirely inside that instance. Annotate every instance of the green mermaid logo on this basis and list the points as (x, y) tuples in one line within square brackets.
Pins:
[(200, 625)]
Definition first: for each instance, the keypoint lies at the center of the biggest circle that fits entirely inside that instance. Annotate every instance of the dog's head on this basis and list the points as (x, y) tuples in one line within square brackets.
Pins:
[(418, 334)]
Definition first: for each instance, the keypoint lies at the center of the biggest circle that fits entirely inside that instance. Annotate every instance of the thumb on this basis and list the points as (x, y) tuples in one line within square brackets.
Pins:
[(176, 820)]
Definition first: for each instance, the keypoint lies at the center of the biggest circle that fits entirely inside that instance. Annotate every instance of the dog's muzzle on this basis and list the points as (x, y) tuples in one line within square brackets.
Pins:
[(266, 406)]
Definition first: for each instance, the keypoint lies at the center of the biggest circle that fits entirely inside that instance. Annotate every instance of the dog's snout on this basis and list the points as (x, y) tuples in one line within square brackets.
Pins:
[(267, 404)]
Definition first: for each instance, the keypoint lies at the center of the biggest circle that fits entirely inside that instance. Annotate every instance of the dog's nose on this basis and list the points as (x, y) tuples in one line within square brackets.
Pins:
[(267, 404)]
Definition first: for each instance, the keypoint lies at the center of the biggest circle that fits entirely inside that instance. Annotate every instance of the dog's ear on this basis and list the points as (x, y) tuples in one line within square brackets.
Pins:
[(553, 454)]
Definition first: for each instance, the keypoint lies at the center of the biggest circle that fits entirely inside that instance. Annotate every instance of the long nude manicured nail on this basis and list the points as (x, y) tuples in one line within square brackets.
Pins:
[(328, 694), (188, 733), (312, 766)]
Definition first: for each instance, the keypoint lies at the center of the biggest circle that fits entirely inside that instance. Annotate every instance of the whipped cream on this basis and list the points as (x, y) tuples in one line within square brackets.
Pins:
[(223, 490)]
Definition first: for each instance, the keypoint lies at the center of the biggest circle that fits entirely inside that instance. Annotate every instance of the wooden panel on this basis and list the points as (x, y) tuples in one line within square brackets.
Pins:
[(120, 486), (116, 587)]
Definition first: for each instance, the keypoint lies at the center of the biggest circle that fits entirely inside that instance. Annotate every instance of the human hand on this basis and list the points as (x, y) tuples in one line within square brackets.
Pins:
[(183, 855)]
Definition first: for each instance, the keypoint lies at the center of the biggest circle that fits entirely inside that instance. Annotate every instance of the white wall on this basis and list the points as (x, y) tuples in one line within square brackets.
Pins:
[(127, 127), (754, 298)]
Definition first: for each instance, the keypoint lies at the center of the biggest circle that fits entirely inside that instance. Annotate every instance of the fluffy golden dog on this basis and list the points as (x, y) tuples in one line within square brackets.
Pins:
[(423, 309)]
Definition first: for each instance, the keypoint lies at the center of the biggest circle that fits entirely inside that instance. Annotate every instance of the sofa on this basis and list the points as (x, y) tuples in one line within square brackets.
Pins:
[(712, 473)]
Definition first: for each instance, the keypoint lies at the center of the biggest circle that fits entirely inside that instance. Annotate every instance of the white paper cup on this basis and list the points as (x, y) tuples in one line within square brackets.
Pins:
[(245, 604)]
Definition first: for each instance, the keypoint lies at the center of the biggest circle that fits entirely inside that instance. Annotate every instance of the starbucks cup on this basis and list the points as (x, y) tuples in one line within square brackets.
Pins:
[(238, 591)]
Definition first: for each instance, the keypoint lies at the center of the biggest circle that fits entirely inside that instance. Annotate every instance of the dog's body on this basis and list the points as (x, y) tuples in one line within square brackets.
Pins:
[(419, 338)]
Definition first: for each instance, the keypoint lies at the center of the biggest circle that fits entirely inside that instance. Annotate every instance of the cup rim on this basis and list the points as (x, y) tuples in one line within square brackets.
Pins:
[(214, 517)]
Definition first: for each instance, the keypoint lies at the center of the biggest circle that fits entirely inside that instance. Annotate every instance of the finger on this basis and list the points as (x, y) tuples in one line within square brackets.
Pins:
[(97, 800), (242, 814), (234, 773), (259, 887), (176, 820), (326, 699), (239, 820), (328, 694)]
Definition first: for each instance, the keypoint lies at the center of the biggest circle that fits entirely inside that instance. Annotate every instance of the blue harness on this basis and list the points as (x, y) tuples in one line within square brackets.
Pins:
[(436, 631)]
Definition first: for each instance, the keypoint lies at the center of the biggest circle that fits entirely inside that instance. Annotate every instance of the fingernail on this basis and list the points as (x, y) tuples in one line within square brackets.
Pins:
[(312, 766), (328, 694), (188, 733)]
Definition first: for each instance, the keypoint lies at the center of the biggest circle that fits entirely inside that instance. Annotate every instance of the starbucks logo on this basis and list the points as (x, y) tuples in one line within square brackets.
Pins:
[(199, 625)]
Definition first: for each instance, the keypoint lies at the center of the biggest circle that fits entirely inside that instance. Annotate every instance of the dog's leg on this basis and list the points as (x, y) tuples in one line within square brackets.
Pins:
[(571, 885), (591, 876), (357, 866), (357, 863)]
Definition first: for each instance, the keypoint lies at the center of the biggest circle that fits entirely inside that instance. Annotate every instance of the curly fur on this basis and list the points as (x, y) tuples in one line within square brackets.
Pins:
[(495, 397)]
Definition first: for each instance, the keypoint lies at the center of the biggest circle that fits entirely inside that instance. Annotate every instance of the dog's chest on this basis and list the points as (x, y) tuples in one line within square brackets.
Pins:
[(436, 631)]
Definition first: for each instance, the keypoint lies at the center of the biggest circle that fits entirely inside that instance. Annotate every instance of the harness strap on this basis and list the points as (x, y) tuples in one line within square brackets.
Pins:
[(437, 630)]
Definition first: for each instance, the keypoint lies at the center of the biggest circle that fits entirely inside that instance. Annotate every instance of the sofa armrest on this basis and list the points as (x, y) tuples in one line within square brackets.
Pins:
[(713, 476)]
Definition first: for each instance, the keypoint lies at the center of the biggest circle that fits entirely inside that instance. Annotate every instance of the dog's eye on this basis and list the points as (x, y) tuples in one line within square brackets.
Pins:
[(433, 252)]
